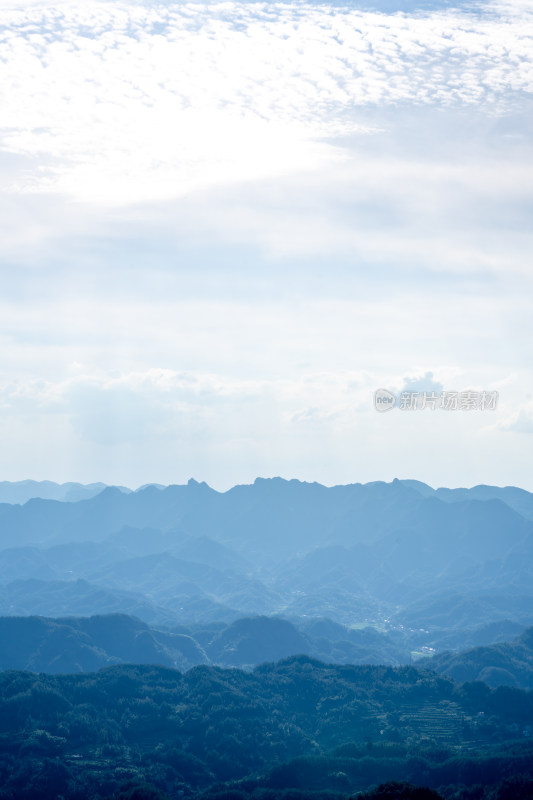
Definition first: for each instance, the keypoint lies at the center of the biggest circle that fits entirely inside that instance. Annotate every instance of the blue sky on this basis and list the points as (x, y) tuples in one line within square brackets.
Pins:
[(225, 225)]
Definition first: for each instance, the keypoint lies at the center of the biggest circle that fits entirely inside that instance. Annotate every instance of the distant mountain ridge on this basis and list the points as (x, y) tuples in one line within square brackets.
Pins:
[(19, 492), (433, 568), (269, 514), (519, 500)]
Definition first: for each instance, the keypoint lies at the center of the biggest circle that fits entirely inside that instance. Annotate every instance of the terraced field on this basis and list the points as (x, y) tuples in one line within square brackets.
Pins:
[(442, 722)]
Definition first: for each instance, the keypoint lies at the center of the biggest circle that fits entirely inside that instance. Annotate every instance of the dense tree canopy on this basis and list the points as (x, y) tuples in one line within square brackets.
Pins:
[(294, 729)]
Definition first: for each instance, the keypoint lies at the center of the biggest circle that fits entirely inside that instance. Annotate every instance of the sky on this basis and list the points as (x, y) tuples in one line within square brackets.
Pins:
[(225, 225)]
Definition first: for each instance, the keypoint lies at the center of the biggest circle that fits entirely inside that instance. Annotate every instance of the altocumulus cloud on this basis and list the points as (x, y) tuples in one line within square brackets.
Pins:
[(284, 205), (126, 103)]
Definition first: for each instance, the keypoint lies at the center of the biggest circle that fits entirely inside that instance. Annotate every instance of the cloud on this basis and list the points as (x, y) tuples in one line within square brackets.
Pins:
[(164, 425), (521, 422), (423, 383), (129, 103), (278, 208), (183, 132), (111, 409), (116, 415)]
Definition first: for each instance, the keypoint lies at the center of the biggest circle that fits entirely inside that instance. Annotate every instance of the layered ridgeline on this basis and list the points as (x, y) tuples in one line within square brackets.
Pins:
[(184, 577), (432, 569), (20, 492), (73, 645), (54, 646)]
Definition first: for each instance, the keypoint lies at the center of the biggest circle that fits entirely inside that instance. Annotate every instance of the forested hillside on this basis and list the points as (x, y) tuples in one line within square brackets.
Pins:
[(298, 725), (508, 663)]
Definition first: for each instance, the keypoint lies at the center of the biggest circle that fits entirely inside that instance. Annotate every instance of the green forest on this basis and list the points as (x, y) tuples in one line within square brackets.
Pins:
[(295, 729)]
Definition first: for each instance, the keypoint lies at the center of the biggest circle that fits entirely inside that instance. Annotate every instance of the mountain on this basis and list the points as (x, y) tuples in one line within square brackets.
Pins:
[(163, 577), (518, 499), (19, 492), (253, 641), (207, 551), (462, 638), (338, 644), (25, 563), (505, 664), (81, 645), (333, 569), (399, 556), (62, 562), (446, 610), (59, 598), (276, 519)]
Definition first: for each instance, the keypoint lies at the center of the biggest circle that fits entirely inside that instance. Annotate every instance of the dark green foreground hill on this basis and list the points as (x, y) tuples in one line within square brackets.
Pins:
[(295, 729), (507, 663)]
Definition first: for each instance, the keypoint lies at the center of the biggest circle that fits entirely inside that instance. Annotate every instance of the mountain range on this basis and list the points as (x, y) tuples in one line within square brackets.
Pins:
[(433, 569)]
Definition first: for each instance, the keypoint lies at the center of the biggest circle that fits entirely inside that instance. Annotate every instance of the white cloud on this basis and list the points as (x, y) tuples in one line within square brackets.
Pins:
[(424, 383), (128, 103), (165, 425), (521, 422), (279, 208)]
